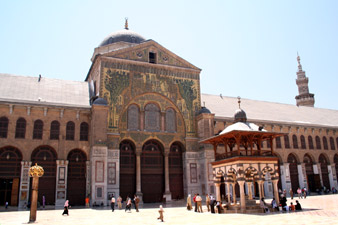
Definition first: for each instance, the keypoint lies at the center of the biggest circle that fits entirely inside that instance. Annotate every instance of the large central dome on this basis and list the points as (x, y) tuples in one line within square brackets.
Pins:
[(125, 35)]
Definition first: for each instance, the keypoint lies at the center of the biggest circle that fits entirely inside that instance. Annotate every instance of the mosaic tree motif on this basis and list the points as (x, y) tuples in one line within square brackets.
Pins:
[(115, 83)]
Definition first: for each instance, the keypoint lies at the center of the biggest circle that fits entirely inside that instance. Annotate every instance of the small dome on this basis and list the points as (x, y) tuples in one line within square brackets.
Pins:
[(240, 116), (100, 101), (204, 110), (122, 35)]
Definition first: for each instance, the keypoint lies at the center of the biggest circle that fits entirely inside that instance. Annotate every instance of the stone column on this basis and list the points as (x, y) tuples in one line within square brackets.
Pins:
[(301, 175), (330, 170), (319, 171), (218, 191), (275, 189), (233, 193), (61, 183), (24, 185), (88, 178), (260, 189), (228, 191), (242, 194), (138, 174), (249, 190), (287, 179), (334, 175), (167, 193)]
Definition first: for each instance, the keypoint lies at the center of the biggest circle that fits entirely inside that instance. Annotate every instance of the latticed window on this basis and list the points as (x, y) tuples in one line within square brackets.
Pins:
[(295, 141), (70, 130), (332, 144), (152, 118), (326, 147), (38, 129), (3, 127), (278, 142), (170, 120), (54, 130), (302, 142), (84, 131), (310, 140), (133, 117), (20, 130), (318, 144), (286, 141)]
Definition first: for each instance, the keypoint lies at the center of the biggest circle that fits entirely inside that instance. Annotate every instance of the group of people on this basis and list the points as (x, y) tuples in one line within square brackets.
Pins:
[(210, 203), (129, 202)]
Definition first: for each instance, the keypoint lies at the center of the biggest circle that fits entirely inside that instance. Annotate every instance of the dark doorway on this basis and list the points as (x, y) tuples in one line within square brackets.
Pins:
[(293, 168), (310, 173), (176, 171), (76, 182), (152, 172), (127, 169)]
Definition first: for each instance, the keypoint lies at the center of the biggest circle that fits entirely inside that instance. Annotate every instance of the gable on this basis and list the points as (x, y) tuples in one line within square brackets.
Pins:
[(143, 51)]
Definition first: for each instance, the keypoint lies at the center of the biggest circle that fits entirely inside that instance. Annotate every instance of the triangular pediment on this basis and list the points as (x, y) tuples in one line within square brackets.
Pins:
[(142, 51)]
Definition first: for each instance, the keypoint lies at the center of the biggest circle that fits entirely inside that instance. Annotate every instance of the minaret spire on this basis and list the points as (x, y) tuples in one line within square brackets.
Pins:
[(126, 24), (304, 98)]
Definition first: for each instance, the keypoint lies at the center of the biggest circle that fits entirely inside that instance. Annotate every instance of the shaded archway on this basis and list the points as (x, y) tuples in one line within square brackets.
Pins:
[(127, 169), (76, 182), (313, 179), (46, 156), (293, 168), (176, 171), (152, 171), (325, 172), (10, 172)]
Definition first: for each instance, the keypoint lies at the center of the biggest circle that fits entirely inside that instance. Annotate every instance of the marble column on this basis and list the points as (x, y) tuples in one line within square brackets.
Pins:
[(249, 190), (138, 174), (275, 189), (334, 175), (228, 191), (218, 191), (61, 183), (242, 194), (329, 169), (233, 193), (301, 175), (24, 184), (167, 193), (260, 188)]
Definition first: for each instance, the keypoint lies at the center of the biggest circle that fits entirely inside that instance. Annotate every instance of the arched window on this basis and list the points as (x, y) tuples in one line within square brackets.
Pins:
[(310, 140), (332, 144), (133, 118), (54, 130), (3, 127), (302, 142), (278, 142), (326, 147), (295, 141), (152, 118), (318, 145), (70, 130), (170, 120), (84, 130), (286, 141), (38, 129), (20, 130)]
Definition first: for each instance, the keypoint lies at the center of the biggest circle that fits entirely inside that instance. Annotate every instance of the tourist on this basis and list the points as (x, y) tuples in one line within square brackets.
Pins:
[(298, 206), (292, 207), (161, 211), (119, 202), (284, 192), (136, 202), (194, 199), (65, 208), (283, 203), (128, 204), (264, 206), (274, 204), (112, 203), (304, 192), (207, 202), (299, 192), (6, 205), (291, 193), (199, 203), (189, 206), (87, 202), (212, 204)]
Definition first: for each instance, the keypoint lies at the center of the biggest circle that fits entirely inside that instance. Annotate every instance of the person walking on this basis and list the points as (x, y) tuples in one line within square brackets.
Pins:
[(65, 208), (305, 192), (194, 199), (212, 204), (207, 202), (119, 202), (128, 205), (189, 206), (112, 203), (291, 193), (199, 203), (87, 202), (299, 192), (136, 202), (161, 211)]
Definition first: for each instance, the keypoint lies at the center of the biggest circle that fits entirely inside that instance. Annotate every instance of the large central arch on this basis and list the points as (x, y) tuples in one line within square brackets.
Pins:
[(152, 171)]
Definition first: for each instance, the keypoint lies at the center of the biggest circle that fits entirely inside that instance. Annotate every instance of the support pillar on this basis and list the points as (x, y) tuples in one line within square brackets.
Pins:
[(242, 194), (234, 193), (24, 184), (138, 175), (167, 193), (218, 191), (275, 189), (260, 189), (61, 183), (249, 190), (302, 175), (330, 170), (228, 191)]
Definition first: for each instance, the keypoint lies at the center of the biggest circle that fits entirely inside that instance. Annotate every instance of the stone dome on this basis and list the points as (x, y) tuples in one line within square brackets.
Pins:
[(125, 35), (100, 101), (240, 116), (204, 110)]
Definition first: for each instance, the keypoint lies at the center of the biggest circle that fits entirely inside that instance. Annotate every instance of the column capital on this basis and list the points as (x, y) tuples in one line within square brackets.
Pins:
[(241, 182), (138, 153), (217, 184)]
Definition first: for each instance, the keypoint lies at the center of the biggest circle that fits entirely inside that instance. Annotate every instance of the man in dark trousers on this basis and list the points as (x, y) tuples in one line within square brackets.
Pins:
[(212, 204)]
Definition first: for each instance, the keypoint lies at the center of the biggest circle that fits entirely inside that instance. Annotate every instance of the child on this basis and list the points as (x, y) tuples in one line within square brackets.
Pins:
[(161, 213)]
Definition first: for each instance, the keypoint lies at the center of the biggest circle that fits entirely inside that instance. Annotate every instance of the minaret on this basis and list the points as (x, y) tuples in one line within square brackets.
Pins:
[(304, 98)]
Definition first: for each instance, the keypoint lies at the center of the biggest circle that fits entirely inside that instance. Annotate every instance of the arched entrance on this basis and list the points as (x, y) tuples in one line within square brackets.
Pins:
[(127, 169), (152, 171), (76, 181), (292, 160), (325, 172), (310, 175), (10, 172), (46, 156), (176, 171)]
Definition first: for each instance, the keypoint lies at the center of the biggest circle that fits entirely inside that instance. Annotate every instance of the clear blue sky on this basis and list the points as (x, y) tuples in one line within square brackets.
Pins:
[(244, 48)]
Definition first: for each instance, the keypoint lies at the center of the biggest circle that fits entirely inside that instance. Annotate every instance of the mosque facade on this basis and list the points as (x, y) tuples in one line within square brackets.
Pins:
[(135, 124)]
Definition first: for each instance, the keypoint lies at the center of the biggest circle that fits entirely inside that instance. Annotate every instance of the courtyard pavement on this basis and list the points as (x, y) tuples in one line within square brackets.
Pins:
[(322, 209)]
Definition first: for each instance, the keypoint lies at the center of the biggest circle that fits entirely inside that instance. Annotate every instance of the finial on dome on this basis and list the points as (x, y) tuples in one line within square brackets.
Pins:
[(203, 104), (126, 24), (239, 101)]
